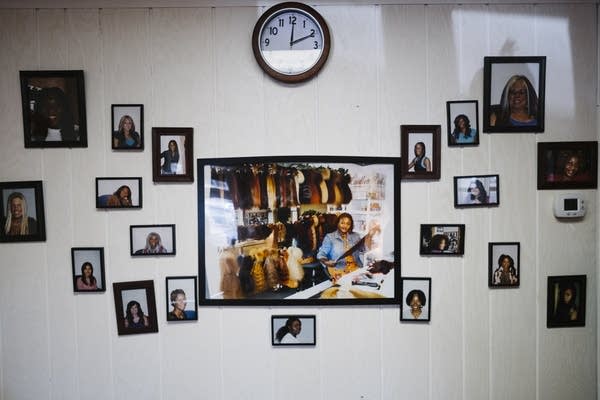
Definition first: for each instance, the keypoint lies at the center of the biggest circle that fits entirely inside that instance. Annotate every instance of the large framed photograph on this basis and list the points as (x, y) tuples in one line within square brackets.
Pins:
[(420, 150), (119, 192), (172, 152), (442, 239), (566, 301), (152, 240), (127, 122), (135, 307), (53, 105), (88, 269), (463, 122), (567, 165), (22, 212), (299, 230), (504, 264), (181, 298), (476, 191), (416, 300), (513, 94), (293, 330)]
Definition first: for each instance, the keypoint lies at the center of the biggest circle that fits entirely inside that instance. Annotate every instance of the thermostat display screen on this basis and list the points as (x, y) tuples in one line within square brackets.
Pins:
[(570, 204)]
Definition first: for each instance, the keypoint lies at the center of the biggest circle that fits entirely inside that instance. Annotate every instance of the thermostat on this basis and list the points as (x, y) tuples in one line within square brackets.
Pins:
[(570, 205)]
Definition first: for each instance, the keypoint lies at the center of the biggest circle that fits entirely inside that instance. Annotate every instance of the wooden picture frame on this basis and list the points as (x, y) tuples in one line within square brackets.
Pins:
[(476, 191), (119, 192), (442, 239), (261, 208), (127, 126), (416, 300), (181, 303), (130, 296), (53, 105), (463, 122), (24, 201), (416, 138), (514, 94), (293, 330), (172, 154), (567, 165), (504, 264), (88, 269), (152, 240), (566, 301)]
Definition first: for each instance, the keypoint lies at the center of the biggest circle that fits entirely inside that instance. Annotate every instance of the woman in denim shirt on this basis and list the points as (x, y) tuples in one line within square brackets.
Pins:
[(338, 242)]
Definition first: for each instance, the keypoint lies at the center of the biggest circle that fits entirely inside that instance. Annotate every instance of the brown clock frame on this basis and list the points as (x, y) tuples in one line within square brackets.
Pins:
[(272, 12)]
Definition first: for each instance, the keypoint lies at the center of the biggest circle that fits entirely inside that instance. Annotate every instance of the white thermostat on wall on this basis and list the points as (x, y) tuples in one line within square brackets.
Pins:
[(569, 205)]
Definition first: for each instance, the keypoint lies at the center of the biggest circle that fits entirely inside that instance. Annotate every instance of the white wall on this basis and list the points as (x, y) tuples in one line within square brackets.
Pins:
[(389, 65)]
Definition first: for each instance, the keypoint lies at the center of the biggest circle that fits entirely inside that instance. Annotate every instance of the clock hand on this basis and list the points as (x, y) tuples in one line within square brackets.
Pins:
[(304, 37), (292, 36)]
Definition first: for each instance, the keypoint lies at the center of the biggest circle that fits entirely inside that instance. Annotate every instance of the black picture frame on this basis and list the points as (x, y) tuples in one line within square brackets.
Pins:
[(442, 239), (560, 312), (421, 136), (140, 236), (284, 326), (476, 191), (466, 111), (120, 114), (111, 192), (499, 76), (232, 223), (53, 105), (567, 165), (416, 299), (180, 160), (84, 258), (184, 288), (504, 264), (28, 197), (126, 294)]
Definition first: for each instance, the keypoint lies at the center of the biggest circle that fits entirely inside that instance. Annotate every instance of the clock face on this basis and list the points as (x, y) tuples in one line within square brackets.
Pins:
[(291, 42)]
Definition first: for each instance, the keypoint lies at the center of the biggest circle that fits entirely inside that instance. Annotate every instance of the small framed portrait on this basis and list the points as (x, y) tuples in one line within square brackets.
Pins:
[(567, 165), (172, 152), (416, 300), (293, 330), (22, 212), (127, 122), (135, 307), (504, 264), (152, 240), (88, 269), (463, 122), (53, 105), (181, 301), (566, 301), (118, 192), (476, 191), (513, 94), (442, 239), (420, 150)]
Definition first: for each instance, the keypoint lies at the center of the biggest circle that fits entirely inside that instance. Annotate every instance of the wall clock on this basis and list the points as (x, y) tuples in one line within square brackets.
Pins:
[(291, 42)]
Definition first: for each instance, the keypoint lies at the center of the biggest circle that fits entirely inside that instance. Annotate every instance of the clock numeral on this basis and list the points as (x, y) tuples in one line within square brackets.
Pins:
[(316, 45), (267, 41), (304, 23), (312, 33), (292, 20), (280, 21), (273, 30)]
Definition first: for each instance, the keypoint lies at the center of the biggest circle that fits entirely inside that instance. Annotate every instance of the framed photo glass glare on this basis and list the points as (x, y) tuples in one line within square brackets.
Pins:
[(299, 230)]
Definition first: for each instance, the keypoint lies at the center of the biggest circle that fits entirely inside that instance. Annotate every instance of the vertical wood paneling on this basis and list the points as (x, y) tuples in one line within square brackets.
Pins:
[(389, 65), (564, 34), (347, 105)]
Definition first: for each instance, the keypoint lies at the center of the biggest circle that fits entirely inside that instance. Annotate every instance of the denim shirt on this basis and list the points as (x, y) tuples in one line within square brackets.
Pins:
[(333, 247)]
